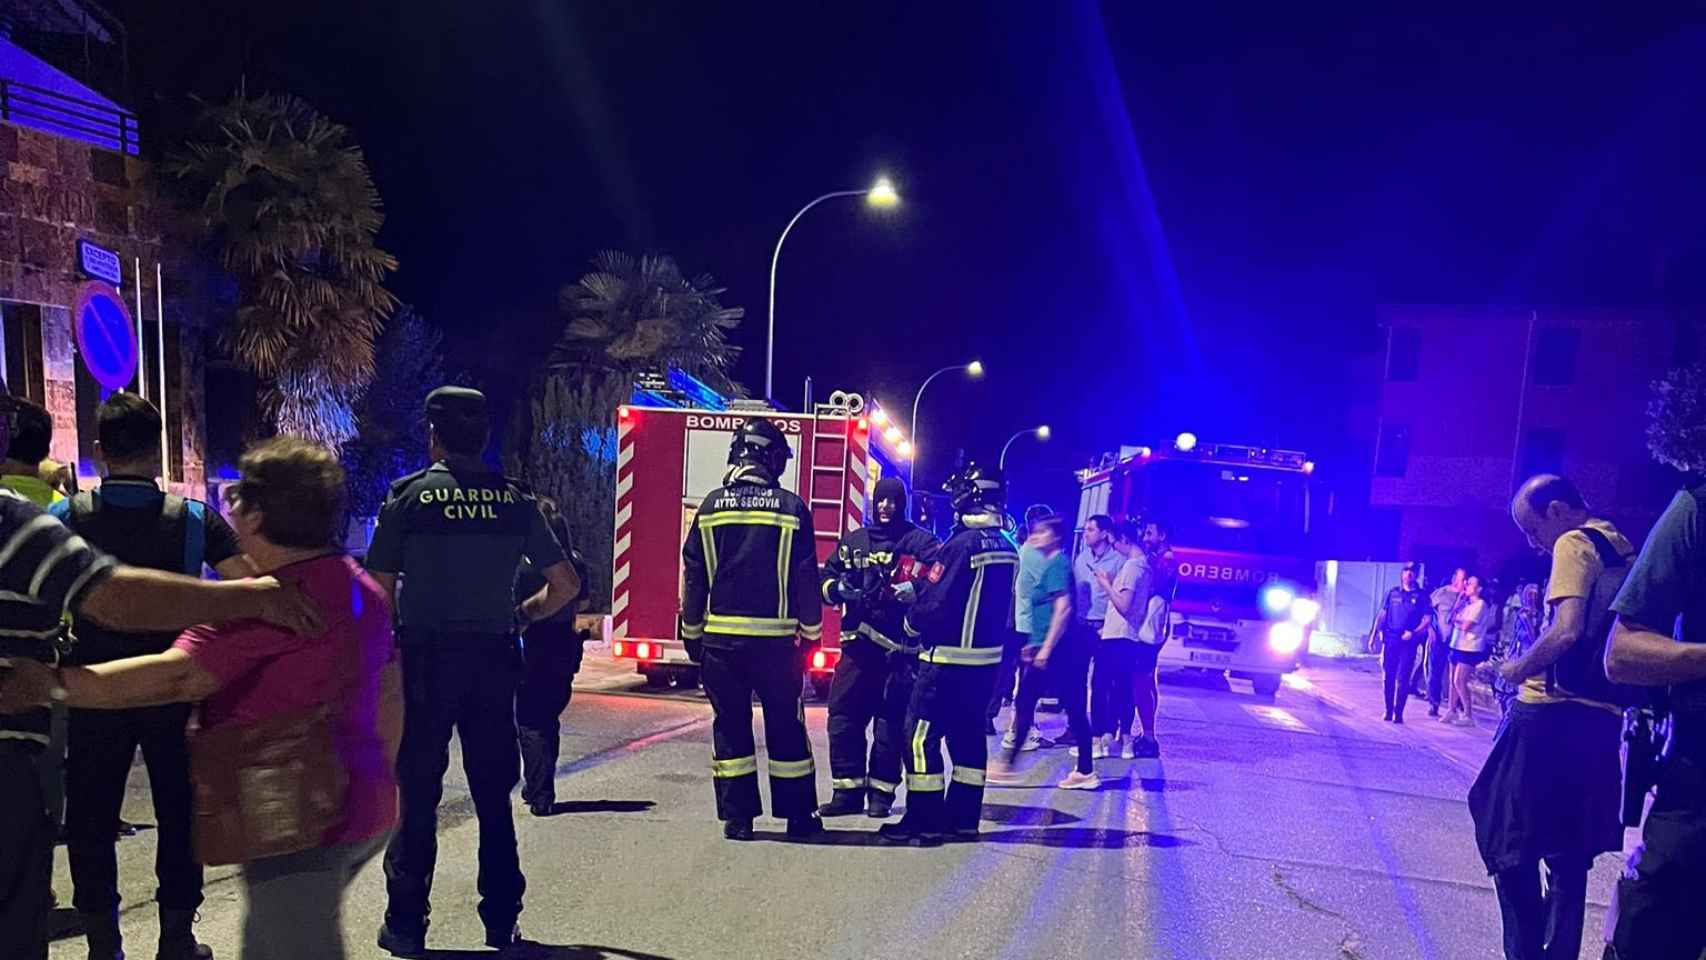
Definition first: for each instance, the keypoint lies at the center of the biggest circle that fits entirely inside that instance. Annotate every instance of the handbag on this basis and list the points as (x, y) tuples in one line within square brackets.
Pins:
[(269, 788)]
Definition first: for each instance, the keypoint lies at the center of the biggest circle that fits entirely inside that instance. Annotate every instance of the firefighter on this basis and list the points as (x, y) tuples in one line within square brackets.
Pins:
[(749, 594), (870, 575), (961, 618)]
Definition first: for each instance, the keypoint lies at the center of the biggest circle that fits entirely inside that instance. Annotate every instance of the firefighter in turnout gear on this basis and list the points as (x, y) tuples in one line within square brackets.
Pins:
[(749, 594), (961, 620), (871, 576)]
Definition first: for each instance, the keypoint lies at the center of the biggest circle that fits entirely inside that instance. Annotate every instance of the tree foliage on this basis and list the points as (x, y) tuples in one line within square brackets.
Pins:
[(628, 316), (390, 435), (285, 198), (1676, 419)]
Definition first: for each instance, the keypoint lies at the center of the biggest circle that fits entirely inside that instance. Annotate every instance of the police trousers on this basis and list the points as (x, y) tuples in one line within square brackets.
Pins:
[(464, 683), (870, 684), (948, 704), (102, 745), (26, 853), (773, 669), (1659, 895), (551, 653)]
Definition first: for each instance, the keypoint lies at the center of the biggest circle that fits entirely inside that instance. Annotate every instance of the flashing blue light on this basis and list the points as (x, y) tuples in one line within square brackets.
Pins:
[(1277, 599)]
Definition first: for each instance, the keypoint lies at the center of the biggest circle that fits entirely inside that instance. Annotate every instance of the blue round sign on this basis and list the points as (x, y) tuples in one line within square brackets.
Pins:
[(106, 338)]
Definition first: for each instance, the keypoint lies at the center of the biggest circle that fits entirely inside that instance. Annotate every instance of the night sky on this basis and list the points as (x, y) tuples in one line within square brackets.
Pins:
[(1140, 221)]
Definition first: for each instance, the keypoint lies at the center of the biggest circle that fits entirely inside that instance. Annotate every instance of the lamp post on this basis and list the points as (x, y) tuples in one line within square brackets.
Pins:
[(974, 369), (880, 194), (1042, 433)]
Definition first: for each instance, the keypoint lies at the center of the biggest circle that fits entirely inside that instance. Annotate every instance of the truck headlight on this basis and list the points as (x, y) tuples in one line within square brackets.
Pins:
[(1304, 611), (1277, 599), (1285, 637)]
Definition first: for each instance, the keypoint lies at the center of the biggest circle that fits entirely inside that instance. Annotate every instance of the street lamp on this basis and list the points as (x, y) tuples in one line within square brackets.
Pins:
[(1042, 433), (972, 369), (881, 195)]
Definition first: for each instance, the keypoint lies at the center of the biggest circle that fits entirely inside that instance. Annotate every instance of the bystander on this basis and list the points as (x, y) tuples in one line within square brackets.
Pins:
[(1444, 599), (1030, 569), (1113, 707)]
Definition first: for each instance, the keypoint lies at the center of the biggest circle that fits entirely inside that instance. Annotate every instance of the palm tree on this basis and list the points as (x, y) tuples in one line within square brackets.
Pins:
[(629, 316), (287, 201)]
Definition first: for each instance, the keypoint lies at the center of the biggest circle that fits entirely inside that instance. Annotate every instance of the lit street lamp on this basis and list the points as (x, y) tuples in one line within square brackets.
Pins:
[(881, 195), (1042, 433), (972, 369)]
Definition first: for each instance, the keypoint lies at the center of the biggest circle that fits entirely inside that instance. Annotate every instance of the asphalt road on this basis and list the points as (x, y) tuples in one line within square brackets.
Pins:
[(1298, 828)]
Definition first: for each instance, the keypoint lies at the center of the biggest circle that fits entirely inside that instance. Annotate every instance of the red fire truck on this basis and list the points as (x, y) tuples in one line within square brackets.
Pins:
[(669, 459), (1239, 522)]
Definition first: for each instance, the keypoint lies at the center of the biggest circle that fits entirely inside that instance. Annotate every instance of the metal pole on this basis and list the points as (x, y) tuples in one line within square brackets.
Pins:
[(807, 407), (1003, 462), (141, 364), (160, 330), (775, 258), (1522, 399), (912, 427)]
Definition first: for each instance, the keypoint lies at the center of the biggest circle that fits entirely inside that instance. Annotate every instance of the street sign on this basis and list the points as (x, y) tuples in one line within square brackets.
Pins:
[(106, 337), (100, 263)]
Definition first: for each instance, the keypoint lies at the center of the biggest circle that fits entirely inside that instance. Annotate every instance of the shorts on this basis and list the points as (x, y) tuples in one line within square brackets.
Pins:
[(1144, 661), (1469, 658)]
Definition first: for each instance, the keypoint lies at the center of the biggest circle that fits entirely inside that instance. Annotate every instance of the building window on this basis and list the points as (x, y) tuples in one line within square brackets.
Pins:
[(1542, 451), (23, 352), (1555, 356), (1392, 457), (1404, 355)]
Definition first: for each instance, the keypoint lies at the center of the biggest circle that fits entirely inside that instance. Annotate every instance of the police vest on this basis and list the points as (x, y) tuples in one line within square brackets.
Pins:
[(170, 538)]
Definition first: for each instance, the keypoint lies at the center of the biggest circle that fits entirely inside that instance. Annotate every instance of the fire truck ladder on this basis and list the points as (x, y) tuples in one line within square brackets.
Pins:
[(829, 459)]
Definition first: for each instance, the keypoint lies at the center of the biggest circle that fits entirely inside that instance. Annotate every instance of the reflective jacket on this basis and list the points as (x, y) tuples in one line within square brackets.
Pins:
[(963, 603), (749, 566), (891, 555)]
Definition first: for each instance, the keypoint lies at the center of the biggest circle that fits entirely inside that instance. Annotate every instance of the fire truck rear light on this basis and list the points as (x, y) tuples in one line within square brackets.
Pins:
[(618, 649), (624, 413), (864, 424), (819, 660), (643, 651)]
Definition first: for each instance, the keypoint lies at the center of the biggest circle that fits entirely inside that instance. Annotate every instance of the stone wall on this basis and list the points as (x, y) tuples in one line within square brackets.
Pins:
[(54, 191)]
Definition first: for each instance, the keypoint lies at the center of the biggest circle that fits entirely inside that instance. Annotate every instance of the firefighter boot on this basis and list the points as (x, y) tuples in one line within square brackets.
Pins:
[(101, 930), (844, 803), (905, 834), (804, 828), (879, 805), (738, 829), (177, 939)]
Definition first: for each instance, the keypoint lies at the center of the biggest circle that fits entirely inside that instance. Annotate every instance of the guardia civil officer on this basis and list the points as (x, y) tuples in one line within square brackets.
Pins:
[(870, 575), (749, 594), (961, 620), (447, 546)]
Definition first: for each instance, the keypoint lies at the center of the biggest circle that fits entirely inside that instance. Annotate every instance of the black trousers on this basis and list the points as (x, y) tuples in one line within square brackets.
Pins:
[(1545, 925), (551, 656), (101, 747), (948, 704), (731, 674), (1439, 656), (871, 687), (1113, 694), (463, 683), (1398, 659), (1064, 677), (26, 853), (1658, 897), (1005, 673)]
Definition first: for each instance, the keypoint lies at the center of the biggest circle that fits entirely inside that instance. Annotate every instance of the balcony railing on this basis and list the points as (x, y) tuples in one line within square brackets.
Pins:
[(42, 109)]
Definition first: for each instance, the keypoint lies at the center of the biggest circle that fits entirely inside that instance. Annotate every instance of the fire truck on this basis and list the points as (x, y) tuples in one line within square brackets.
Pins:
[(672, 451), (1238, 520)]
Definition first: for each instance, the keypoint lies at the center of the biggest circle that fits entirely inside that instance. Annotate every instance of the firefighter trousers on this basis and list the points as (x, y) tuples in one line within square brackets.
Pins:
[(947, 705), (773, 669), (870, 684)]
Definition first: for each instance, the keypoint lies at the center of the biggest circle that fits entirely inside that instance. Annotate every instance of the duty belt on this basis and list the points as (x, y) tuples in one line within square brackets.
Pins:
[(879, 638)]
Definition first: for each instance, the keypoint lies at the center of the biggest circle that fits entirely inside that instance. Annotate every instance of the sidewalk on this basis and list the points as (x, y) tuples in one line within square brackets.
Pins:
[(1355, 685)]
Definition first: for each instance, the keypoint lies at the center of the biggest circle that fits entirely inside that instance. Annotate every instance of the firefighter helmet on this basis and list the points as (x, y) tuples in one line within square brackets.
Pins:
[(759, 442), (976, 486)]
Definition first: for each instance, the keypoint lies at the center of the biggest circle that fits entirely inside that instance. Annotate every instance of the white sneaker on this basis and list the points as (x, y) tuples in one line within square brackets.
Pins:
[(1001, 775), (1032, 741), (1080, 781), (1128, 748), (1099, 748)]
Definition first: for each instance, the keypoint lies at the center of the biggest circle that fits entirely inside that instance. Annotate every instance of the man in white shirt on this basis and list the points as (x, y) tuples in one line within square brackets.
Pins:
[(1120, 649)]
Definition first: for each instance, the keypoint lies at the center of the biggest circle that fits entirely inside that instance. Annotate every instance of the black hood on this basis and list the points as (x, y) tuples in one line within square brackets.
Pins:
[(889, 487)]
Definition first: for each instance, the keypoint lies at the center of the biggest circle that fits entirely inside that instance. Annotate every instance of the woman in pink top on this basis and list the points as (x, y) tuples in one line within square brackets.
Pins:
[(286, 511)]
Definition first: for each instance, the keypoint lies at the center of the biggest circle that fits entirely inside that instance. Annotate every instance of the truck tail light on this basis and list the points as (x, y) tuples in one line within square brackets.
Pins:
[(643, 651), (618, 649), (819, 660)]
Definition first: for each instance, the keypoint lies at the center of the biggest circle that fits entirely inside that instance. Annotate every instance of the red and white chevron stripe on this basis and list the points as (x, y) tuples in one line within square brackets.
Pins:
[(624, 537), (859, 475)]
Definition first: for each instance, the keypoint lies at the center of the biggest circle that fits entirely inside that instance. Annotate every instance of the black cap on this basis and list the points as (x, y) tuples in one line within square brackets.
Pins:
[(1411, 567), (456, 406)]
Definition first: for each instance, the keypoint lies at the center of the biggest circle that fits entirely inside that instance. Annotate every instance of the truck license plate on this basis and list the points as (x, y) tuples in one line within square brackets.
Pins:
[(1200, 656)]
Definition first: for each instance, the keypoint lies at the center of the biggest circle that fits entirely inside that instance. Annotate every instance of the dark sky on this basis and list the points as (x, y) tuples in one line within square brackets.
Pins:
[(1141, 221)]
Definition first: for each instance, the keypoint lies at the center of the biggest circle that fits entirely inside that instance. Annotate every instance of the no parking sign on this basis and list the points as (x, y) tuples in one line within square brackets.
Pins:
[(106, 337)]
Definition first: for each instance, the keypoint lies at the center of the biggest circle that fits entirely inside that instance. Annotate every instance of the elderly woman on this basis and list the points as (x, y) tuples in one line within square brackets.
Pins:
[(254, 677)]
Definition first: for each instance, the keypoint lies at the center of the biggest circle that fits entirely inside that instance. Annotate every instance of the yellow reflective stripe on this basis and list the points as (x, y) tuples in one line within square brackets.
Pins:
[(925, 782), (993, 557), (710, 543), (750, 626), (919, 733), (911, 631), (692, 631), (883, 786), (811, 631), (784, 546), (791, 769), (846, 783), (737, 767), (971, 776), (750, 518), (962, 656), (968, 627), (882, 640)]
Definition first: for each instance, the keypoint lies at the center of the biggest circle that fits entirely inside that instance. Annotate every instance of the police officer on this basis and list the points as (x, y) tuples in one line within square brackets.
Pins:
[(454, 534), (749, 593), (1401, 623), (869, 574), (961, 617)]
